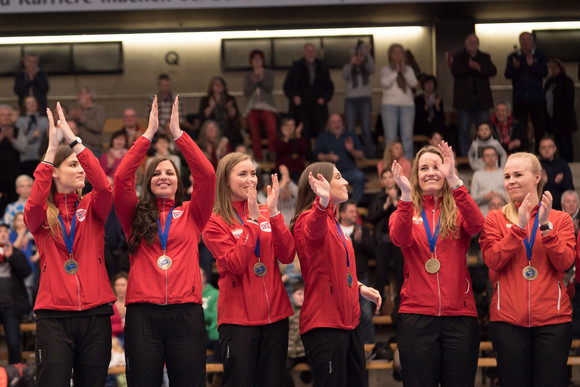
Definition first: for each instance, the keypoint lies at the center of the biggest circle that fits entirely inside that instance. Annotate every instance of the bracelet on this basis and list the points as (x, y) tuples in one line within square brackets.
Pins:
[(253, 220)]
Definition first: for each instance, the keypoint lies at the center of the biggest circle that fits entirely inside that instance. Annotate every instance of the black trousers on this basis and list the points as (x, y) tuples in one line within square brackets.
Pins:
[(534, 356), (254, 355), (437, 350), (537, 115), (165, 334), (336, 357), (79, 343)]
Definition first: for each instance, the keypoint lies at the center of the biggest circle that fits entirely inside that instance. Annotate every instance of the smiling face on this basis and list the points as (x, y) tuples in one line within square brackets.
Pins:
[(570, 203), (489, 157), (547, 149), (163, 183), (287, 128), (241, 180), (483, 131), (338, 188), (387, 180), (120, 287), (430, 179), (119, 142), (502, 113), (519, 178), (69, 175)]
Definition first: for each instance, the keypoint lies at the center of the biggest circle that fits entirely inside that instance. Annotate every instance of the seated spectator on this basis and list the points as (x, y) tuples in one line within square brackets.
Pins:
[(483, 140), (23, 186), (12, 145), (209, 297), (487, 182), (117, 360), (512, 136), (117, 149), (161, 146), (557, 176), (394, 151), (296, 352), (287, 195), (131, 126), (435, 138), (213, 145), (23, 241), (291, 147), (343, 149), (570, 206), (119, 282), (221, 107), (32, 124), (90, 118), (260, 108), (429, 114)]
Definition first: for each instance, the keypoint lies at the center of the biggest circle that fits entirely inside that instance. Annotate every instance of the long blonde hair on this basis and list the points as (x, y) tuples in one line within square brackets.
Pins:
[(388, 153), (448, 209), (223, 198), (510, 210)]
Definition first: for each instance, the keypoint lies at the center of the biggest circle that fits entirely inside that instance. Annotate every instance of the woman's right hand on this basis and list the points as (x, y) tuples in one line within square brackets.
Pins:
[(321, 188), (52, 138), (153, 124), (401, 181), (524, 212), (253, 209)]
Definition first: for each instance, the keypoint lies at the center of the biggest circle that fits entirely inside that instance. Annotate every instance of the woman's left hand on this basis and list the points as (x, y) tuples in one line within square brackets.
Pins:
[(63, 125), (174, 121), (372, 295), (447, 169), (273, 192), (545, 208)]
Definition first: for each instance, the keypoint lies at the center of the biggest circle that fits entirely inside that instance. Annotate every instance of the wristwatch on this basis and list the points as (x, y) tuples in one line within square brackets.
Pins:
[(546, 227), (459, 184), (75, 142)]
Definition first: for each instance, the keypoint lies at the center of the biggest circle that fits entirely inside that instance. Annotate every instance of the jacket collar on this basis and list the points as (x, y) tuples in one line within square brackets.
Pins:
[(66, 204), (164, 205)]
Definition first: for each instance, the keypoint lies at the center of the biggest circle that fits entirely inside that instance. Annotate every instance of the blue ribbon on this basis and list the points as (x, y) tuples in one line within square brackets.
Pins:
[(343, 239), (432, 239), (257, 249), (69, 238), (530, 243), (164, 235)]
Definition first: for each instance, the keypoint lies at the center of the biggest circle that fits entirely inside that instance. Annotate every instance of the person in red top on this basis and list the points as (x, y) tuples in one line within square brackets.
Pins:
[(529, 246), (73, 305), (164, 321), (438, 335), (247, 242), (329, 319)]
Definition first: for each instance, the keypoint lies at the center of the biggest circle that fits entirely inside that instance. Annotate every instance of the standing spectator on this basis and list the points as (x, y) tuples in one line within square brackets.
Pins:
[(483, 140), (557, 176), (12, 146), (309, 88), (90, 118), (131, 126), (526, 68), (165, 99), (398, 106), (260, 107), (487, 183), (32, 80), (23, 185), (287, 196), (291, 147), (561, 118), (343, 149), (512, 136), (357, 99), (394, 151), (472, 98), (221, 107), (32, 124), (13, 297), (117, 149), (429, 114), (211, 142)]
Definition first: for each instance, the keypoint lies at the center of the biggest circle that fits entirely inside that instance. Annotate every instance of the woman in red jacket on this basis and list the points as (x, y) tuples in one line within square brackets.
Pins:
[(247, 242), (73, 305), (164, 321), (529, 245), (438, 335), (330, 313)]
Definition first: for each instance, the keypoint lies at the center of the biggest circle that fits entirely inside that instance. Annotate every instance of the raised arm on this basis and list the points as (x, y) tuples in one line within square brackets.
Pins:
[(284, 248)]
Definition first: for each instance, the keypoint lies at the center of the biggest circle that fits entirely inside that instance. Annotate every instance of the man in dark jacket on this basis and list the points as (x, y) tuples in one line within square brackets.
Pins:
[(13, 297), (308, 88), (472, 98), (556, 172), (511, 135), (526, 68), (32, 80)]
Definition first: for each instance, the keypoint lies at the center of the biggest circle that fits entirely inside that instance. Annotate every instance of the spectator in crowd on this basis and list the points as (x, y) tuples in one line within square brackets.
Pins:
[(496, 203), (287, 196), (117, 149), (23, 241), (12, 146), (487, 183), (220, 106), (161, 145), (260, 108), (429, 114), (435, 138), (23, 186), (559, 93), (483, 140), (570, 206), (131, 126), (13, 297), (165, 99), (526, 68), (309, 88), (296, 353), (33, 81), (343, 149), (211, 142), (398, 106), (357, 99), (209, 297), (32, 124), (119, 283), (531, 328), (90, 118), (557, 176), (291, 147), (512, 136), (471, 70), (364, 249), (394, 151)]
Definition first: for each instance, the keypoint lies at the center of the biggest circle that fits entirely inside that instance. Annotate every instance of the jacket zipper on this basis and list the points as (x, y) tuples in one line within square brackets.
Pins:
[(267, 299), (76, 275), (166, 282), (435, 252), (498, 296), (529, 306), (559, 294)]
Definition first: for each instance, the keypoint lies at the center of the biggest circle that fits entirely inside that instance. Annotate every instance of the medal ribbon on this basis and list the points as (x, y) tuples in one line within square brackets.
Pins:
[(432, 239), (530, 243), (341, 235), (164, 235), (69, 238), (257, 249)]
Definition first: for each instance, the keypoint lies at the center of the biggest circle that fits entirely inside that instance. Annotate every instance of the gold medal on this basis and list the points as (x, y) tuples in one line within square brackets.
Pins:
[(71, 266), (432, 266), (530, 273), (164, 262), (260, 269)]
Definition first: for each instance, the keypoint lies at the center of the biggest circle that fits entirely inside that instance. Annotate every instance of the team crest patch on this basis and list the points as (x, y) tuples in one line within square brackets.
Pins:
[(266, 227), (508, 225), (177, 213), (81, 214), (237, 232), (417, 219)]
